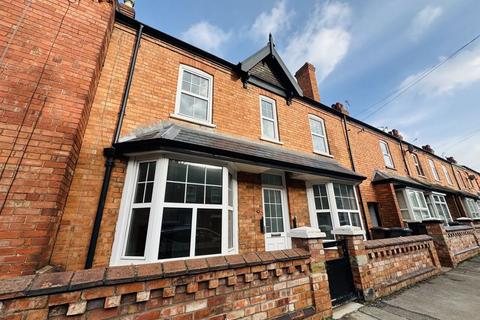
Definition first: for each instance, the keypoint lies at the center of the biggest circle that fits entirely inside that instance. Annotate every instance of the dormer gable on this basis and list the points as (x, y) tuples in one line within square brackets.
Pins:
[(266, 69)]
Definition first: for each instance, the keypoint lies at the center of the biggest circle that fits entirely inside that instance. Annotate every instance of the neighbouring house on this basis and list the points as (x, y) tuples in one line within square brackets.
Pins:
[(122, 145)]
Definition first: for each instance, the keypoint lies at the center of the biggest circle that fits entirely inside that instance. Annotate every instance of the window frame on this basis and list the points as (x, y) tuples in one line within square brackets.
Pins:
[(472, 207), (419, 195), (332, 204), (436, 176), (158, 204), (388, 154), (202, 74), (276, 139), (312, 117), (418, 165), (447, 175), (443, 201)]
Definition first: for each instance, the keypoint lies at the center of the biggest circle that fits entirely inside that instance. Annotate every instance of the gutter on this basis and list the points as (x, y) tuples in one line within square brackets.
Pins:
[(109, 153)]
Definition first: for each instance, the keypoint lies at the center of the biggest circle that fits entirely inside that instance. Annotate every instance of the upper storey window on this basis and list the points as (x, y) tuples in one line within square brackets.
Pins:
[(194, 95), (387, 157), (434, 170), (418, 166), (447, 176), (268, 113), (319, 136)]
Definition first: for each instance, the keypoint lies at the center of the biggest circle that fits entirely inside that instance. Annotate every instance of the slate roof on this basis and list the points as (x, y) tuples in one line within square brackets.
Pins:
[(186, 139), (380, 177)]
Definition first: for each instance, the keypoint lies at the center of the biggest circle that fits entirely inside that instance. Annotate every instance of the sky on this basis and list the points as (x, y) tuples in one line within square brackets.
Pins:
[(363, 51)]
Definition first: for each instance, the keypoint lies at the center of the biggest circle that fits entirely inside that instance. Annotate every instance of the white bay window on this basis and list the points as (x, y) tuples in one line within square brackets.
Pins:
[(415, 205), (333, 205), (473, 207), (175, 209)]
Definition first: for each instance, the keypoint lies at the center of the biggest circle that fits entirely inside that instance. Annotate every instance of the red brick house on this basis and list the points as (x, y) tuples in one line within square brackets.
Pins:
[(161, 151)]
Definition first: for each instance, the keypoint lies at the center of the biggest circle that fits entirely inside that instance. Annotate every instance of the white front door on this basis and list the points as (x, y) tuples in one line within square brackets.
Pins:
[(275, 221)]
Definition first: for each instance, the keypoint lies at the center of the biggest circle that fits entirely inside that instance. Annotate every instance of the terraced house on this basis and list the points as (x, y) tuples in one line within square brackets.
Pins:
[(164, 181)]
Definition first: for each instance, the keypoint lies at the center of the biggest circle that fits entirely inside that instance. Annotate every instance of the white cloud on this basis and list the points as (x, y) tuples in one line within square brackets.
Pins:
[(459, 72), (323, 41), (423, 20), (276, 21), (206, 36)]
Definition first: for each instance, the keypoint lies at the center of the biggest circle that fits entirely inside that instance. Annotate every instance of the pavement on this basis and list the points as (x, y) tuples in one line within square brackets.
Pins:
[(450, 296)]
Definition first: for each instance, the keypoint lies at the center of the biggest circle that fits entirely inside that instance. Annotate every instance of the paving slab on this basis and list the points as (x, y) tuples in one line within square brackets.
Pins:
[(454, 295)]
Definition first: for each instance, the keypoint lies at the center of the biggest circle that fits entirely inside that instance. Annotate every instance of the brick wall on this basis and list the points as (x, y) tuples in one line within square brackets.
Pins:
[(264, 286), (454, 244), (388, 209), (381, 267), (51, 58)]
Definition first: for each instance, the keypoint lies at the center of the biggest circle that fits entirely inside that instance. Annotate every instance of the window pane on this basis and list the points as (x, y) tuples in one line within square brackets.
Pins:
[(230, 190), (195, 193), (137, 234), (139, 193), (148, 192), (268, 129), (317, 127), (267, 109), (273, 210), (230, 229), (208, 239), (319, 144), (213, 195), (177, 171), (200, 109), (214, 176), (196, 173), (175, 233), (186, 105), (142, 171), (325, 223), (272, 180), (343, 217), (175, 192), (355, 217)]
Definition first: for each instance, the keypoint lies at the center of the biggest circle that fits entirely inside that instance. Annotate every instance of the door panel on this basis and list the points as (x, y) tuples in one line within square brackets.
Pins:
[(274, 217)]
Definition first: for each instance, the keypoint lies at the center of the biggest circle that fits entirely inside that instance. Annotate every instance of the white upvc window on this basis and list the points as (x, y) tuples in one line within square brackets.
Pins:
[(387, 157), (473, 207), (447, 175), (418, 166), (268, 118), (413, 205), (333, 205), (434, 170), (175, 209), (441, 207), (194, 95), (319, 135)]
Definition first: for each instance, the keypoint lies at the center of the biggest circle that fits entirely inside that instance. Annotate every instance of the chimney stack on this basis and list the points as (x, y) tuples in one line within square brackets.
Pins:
[(451, 160), (307, 80), (428, 148), (396, 134), (340, 108), (127, 8)]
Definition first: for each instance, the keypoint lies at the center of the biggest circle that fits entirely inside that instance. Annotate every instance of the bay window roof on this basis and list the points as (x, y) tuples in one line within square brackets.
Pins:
[(170, 136)]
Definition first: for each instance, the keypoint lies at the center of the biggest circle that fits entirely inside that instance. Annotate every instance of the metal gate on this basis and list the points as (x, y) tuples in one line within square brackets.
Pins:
[(340, 279)]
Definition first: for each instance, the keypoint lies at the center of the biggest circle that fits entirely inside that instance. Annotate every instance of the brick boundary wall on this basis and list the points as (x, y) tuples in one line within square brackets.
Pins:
[(265, 285), (381, 267), (454, 244)]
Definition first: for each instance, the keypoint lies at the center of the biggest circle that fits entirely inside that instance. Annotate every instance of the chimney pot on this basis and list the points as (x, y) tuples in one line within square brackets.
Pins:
[(428, 148), (396, 134), (451, 160), (127, 8), (307, 80), (340, 108)]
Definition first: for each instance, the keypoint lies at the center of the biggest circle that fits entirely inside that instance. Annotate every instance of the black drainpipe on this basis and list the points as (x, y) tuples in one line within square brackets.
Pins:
[(403, 156), (109, 153), (344, 118)]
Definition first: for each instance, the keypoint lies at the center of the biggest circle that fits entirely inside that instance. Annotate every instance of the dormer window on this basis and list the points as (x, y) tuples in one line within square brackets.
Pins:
[(194, 95)]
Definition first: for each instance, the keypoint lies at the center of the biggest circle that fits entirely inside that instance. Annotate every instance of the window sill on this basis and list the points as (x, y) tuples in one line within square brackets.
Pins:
[(423, 177), (390, 168), (202, 123), (272, 141), (323, 154)]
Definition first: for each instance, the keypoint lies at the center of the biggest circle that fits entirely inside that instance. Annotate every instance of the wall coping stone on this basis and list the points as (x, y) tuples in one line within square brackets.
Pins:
[(306, 233), (378, 243), (348, 231), (458, 228), (59, 282)]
